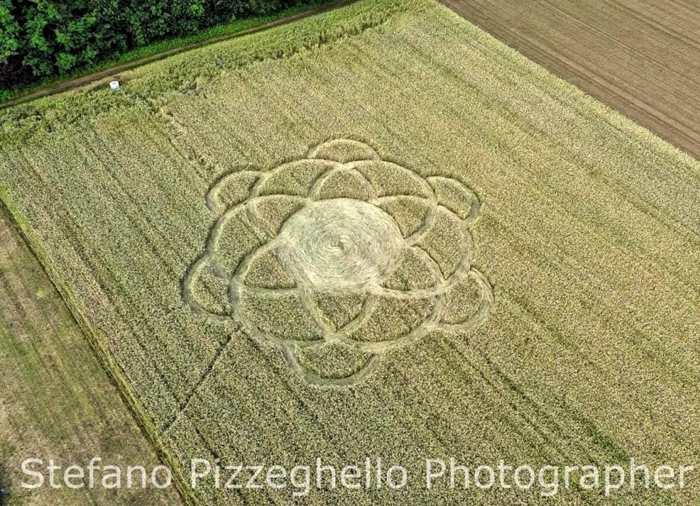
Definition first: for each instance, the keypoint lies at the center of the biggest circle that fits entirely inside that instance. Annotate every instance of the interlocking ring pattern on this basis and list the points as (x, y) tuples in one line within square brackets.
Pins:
[(340, 257)]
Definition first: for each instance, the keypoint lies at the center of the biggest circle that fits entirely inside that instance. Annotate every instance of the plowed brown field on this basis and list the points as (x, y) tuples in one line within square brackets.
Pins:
[(639, 57)]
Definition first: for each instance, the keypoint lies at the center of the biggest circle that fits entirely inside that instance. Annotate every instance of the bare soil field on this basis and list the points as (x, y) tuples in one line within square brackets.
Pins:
[(639, 57), (56, 401), (374, 233)]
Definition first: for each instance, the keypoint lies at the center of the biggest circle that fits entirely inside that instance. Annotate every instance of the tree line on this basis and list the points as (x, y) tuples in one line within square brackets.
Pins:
[(47, 38)]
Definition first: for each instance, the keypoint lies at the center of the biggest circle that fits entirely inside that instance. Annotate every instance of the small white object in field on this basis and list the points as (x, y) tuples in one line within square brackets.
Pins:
[(114, 85)]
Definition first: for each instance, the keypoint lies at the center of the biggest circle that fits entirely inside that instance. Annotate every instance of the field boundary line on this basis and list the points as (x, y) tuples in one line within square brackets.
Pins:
[(114, 372), (77, 82)]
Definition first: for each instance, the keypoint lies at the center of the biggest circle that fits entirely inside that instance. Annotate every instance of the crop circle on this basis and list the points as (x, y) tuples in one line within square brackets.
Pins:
[(339, 244), (339, 257)]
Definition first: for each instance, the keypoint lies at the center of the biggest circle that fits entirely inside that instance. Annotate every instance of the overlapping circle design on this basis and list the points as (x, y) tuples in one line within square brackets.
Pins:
[(339, 258)]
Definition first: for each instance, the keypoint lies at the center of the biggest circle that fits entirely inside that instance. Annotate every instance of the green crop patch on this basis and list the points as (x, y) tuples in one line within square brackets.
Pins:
[(375, 233)]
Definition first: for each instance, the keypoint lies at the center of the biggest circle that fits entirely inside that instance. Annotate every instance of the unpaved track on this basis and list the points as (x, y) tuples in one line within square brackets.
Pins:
[(639, 57), (113, 72)]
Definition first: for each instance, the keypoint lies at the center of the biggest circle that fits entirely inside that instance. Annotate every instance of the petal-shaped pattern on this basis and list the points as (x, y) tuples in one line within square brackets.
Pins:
[(393, 319), (292, 258), (272, 211), (338, 310), (264, 270), (447, 241), (332, 362), (294, 178), (233, 238), (205, 290), (343, 151), (390, 179), (342, 183), (467, 303), (278, 314), (230, 190), (410, 213), (416, 270), (456, 197)]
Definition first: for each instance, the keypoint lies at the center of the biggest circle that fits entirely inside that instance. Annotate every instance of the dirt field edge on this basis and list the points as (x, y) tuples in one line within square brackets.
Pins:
[(113, 372), (60, 87)]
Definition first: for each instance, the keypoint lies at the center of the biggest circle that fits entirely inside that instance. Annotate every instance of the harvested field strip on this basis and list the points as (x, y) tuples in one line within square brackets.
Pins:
[(57, 402), (640, 58), (586, 235)]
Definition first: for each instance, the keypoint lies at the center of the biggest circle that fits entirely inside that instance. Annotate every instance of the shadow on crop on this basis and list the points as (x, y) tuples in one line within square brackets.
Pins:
[(4, 484)]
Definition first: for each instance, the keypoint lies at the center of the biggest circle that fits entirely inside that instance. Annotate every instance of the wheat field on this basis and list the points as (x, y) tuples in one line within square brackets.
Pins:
[(532, 287), (56, 400)]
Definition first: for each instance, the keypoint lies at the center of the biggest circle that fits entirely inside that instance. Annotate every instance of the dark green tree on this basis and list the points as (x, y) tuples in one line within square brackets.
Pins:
[(9, 31), (46, 38)]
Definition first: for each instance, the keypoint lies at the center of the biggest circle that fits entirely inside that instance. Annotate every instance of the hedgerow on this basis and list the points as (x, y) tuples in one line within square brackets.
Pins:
[(46, 38)]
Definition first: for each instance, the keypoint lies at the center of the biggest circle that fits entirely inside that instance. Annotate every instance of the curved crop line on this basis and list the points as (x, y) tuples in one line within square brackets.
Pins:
[(437, 274), (475, 211), (429, 217), (382, 346), (253, 216), (423, 293), (329, 165), (314, 311), (392, 198), (261, 337), (428, 221), (259, 198), (249, 327), (381, 290), (265, 291), (475, 208), (215, 230), (238, 287), (374, 198), (379, 347), (434, 266), (244, 265), (316, 380), (438, 310), (428, 190), (487, 302), (357, 322), (318, 183), (218, 207), (259, 228), (377, 285), (186, 288), (334, 167), (467, 248), (255, 190), (467, 222)]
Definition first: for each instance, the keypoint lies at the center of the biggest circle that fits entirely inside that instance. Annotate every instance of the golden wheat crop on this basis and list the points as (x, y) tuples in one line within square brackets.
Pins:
[(532, 287)]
